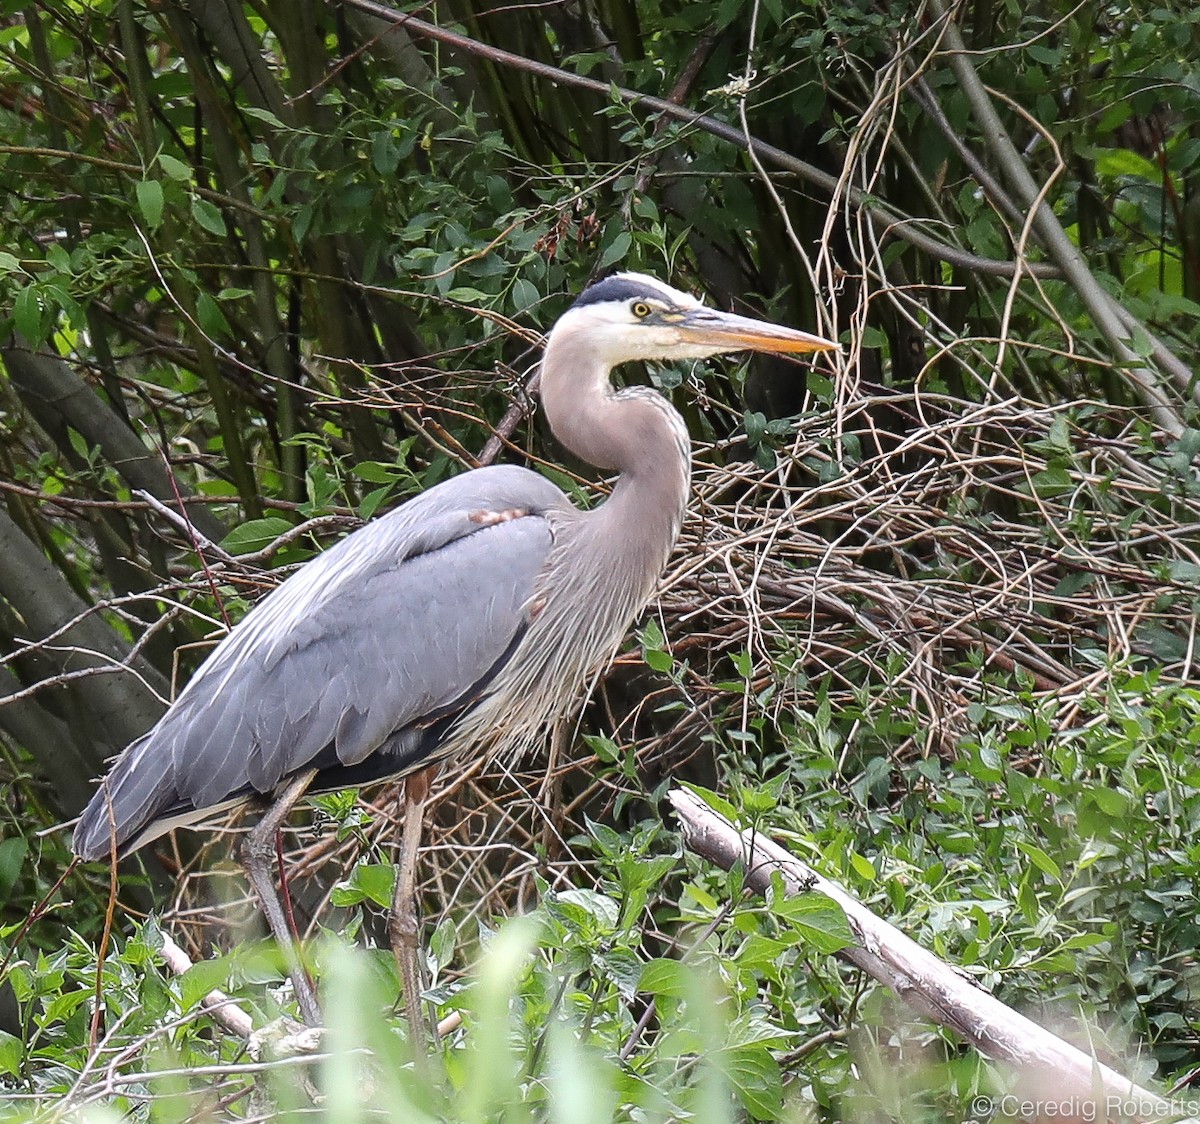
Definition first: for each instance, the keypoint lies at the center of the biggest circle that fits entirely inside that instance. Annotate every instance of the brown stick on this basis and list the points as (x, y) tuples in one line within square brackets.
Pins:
[(510, 421), (404, 926), (1080, 1087)]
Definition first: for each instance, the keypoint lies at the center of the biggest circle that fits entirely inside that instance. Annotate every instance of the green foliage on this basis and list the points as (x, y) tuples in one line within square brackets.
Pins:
[(1057, 869), (933, 619), (551, 1017), (1054, 863)]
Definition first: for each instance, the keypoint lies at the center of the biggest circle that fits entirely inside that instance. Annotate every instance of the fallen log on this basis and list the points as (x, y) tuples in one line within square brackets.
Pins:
[(1058, 1081)]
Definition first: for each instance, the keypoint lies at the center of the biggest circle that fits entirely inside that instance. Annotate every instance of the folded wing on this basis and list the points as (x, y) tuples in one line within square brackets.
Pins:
[(372, 648)]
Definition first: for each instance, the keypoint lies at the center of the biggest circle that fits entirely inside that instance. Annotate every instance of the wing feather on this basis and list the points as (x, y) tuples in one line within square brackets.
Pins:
[(384, 630)]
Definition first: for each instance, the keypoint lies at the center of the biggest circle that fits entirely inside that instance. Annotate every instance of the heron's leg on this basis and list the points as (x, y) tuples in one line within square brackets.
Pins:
[(403, 926), (258, 856)]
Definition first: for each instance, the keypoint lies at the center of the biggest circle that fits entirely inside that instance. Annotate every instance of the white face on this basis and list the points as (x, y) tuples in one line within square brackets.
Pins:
[(651, 320), (629, 330)]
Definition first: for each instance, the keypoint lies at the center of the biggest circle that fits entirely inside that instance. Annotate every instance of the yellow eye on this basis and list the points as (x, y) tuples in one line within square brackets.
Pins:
[(641, 309)]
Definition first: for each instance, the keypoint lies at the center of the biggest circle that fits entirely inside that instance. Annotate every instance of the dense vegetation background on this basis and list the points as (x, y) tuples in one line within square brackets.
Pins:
[(933, 622)]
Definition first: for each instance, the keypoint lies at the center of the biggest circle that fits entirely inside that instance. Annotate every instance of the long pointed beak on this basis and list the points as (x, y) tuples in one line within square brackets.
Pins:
[(728, 331)]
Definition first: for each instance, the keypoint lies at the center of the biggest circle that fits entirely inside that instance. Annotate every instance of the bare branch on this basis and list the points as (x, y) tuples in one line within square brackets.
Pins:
[(904, 227), (1065, 254), (937, 990), (252, 560), (216, 1004), (118, 708)]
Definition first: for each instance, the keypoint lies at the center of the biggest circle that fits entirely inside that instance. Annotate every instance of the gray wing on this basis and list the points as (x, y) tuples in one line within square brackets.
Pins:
[(398, 622)]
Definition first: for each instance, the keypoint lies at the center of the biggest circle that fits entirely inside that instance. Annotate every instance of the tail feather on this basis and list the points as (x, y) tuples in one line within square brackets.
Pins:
[(128, 799)]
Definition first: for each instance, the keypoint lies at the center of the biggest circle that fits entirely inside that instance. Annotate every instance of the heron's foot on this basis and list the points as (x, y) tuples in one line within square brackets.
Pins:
[(280, 1039), (285, 1038)]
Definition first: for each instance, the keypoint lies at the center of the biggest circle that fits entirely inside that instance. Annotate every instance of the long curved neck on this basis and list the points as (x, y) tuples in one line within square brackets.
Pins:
[(637, 433)]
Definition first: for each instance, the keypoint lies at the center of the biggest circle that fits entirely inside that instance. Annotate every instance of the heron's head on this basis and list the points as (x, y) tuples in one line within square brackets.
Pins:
[(631, 316)]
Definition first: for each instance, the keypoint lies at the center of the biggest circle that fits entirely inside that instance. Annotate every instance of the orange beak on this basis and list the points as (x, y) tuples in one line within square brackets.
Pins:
[(730, 332)]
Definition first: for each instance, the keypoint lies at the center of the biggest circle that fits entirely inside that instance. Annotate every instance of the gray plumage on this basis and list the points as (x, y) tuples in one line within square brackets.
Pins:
[(469, 617)]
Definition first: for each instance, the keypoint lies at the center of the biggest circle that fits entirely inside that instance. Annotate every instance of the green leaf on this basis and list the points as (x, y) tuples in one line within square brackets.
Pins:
[(11, 1053), (1040, 859), (8, 263), (1125, 162), (1109, 801), (604, 748), (372, 882), (466, 294), (1188, 445), (652, 871), (371, 501), (774, 9), (658, 660), (376, 472), (58, 257), (27, 314), (256, 534), (150, 201), (385, 153), (210, 317), (176, 169), (208, 216), (443, 942), (667, 977), (63, 1006), (617, 249), (756, 1079), (20, 978), (201, 978), (264, 115), (624, 969), (1142, 343), (1047, 56), (873, 338), (717, 803), (862, 866), (652, 636), (817, 918), (644, 207), (757, 802), (820, 386), (302, 220), (653, 651), (1053, 481), (727, 10), (1059, 434), (12, 858), (524, 294), (600, 906)]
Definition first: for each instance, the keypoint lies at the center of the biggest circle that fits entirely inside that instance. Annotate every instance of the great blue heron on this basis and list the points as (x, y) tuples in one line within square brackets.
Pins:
[(468, 618)]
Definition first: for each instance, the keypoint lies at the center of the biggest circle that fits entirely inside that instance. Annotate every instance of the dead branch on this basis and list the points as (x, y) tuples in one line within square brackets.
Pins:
[(936, 989), (216, 1004)]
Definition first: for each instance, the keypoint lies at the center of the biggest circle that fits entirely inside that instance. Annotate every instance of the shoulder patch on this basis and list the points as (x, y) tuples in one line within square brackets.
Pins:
[(487, 518)]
